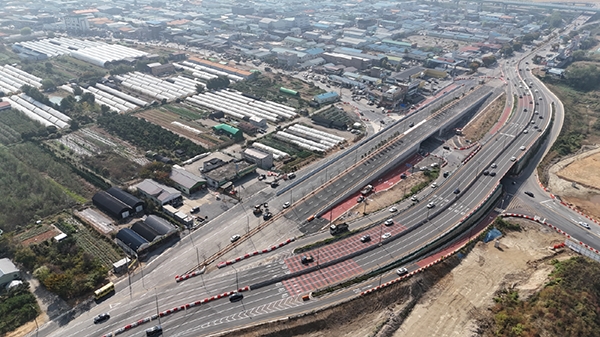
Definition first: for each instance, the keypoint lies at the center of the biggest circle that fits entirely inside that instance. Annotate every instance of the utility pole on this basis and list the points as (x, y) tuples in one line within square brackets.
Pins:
[(37, 328), (156, 300)]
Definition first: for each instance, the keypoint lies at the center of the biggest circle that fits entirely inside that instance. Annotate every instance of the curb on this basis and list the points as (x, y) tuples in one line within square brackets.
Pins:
[(257, 252)]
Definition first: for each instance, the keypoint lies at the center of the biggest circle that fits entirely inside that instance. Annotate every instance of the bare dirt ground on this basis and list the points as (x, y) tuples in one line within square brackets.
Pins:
[(430, 41), (453, 305), (165, 119), (580, 169), (41, 237), (484, 121), (447, 300)]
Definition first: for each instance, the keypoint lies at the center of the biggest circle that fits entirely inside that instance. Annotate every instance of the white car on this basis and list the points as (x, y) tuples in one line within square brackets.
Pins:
[(493, 165), (525, 131), (286, 205), (414, 198), (393, 209), (434, 185), (522, 148), (513, 158), (386, 236), (402, 271), (389, 222), (584, 225), (234, 238), (430, 205)]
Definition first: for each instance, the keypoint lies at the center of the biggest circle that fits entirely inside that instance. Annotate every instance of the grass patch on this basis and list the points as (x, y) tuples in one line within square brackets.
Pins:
[(505, 226), (327, 241)]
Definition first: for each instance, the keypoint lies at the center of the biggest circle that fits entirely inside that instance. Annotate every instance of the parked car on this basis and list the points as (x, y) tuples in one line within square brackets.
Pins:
[(195, 210)]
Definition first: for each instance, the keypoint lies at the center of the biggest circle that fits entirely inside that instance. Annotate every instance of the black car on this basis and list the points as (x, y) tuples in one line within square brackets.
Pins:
[(492, 174), (195, 210), (446, 174), (154, 331), (403, 176), (456, 191), (486, 172), (411, 124), (529, 194), (365, 238), (101, 318), (306, 259), (235, 297)]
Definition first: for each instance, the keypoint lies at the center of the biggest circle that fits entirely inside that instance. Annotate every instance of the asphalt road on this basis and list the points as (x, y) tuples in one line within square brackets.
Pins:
[(275, 300)]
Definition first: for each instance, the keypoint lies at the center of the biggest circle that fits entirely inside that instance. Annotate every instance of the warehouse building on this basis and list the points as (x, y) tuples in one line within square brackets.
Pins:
[(131, 242), (8, 272), (228, 130), (229, 172), (328, 97), (261, 159), (185, 181), (136, 204), (111, 205), (159, 193)]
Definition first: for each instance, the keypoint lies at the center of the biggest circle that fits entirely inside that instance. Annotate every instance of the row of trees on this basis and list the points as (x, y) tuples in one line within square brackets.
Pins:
[(145, 135)]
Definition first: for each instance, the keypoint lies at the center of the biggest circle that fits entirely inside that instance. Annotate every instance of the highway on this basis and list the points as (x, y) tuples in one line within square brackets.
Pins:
[(412, 230)]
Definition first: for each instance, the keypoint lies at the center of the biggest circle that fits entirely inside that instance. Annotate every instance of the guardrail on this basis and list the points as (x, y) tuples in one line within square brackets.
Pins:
[(174, 310)]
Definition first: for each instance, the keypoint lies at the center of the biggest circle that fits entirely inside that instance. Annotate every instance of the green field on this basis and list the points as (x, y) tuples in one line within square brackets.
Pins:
[(14, 123)]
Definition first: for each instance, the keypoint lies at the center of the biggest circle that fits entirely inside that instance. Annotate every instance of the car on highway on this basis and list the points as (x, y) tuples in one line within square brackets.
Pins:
[(235, 297), (494, 165), (234, 238), (522, 148), (430, 205), (525, 110), (525, 131), (402, 271), (286, 204), (540, 98), (154, 331), (492, 174), (513, 158), (529, 194), (101, 318), (584, 225), (530, 102), (457, 191), (393, 209), (414, 198), (434, 185), (306, 259), (386, 236), (292, 175), (389, 222), (411, 124), (541, 117), (532, 122), (486, 172), (365, 238)]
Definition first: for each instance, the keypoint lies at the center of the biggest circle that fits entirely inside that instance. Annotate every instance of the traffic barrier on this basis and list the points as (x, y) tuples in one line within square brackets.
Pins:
[(246, 256)]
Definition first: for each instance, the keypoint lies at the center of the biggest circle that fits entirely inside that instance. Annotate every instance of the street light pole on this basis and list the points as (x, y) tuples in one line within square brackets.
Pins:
[(37, 328), (237, 283)]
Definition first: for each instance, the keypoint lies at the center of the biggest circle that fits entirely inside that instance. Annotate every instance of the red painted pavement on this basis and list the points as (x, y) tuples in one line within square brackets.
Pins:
[(322, 277), (461, 241), (342, 248), (387, 181), (502, 120)]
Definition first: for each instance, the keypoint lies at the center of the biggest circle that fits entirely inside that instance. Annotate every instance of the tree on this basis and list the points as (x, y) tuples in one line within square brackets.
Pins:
[(217, 83), (49, 67), (88, 97), (25, 31), (199, 88), (555, 20), (48, 84), (518, 46), (578, 55), (77, 91), (489, 60), (474, 66)]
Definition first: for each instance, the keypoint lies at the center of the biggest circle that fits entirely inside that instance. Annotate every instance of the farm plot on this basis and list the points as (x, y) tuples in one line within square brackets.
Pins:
[(37, 234), (94, 142), (336, 115), (14, 123), (172, 122), (89, 241)]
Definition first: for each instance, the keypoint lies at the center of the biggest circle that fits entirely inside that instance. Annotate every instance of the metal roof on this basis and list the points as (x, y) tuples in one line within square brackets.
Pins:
[(144, 231), (131, 239), (124, 197), (110, 204), (7, 267), (159, 225)]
